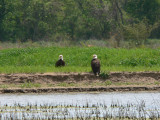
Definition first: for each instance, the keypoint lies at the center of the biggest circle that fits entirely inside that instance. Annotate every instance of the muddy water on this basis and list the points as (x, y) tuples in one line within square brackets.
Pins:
[(150, 98)]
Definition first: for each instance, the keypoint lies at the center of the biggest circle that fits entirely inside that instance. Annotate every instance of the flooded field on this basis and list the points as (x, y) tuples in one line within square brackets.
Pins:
[(114, 105)]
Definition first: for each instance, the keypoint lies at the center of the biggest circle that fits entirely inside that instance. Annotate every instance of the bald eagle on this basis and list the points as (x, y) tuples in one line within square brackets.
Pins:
[(95, 64), (60, 62)]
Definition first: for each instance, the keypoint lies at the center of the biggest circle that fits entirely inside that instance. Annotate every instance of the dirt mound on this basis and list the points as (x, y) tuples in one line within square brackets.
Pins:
[(133, 77), (131, 81), (46, 78)]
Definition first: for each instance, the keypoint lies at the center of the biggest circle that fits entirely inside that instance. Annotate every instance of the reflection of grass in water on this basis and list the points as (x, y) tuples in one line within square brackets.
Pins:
[(81, 112)]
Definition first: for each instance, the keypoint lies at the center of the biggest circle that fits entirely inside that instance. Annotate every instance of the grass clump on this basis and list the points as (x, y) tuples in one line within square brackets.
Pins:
[(108, 82), (30, 85), (157, 83), (3, 86), (104, 75)]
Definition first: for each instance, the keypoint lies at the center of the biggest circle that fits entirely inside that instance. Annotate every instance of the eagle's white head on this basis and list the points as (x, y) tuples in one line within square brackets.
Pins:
[(94, 56), (61, 57)]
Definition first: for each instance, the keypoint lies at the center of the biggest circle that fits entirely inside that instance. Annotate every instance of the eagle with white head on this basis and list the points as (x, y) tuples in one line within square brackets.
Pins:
[(60, 62), (95, 64)]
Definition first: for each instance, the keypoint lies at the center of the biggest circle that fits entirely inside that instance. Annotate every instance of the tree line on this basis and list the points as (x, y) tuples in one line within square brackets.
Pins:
[(135, 20)]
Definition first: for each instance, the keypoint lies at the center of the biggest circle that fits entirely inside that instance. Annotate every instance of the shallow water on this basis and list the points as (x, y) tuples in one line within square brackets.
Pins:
[(150, 98), (85, 104)]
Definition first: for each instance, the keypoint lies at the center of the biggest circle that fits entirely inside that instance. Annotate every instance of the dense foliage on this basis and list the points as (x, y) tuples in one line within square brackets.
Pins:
[(23, 20)]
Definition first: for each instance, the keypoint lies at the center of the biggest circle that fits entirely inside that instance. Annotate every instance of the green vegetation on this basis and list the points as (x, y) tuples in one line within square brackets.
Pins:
[(30, 85), (133, 21), (156, 83), (33, 60), (3, 86), (104, 75), (108, 82)]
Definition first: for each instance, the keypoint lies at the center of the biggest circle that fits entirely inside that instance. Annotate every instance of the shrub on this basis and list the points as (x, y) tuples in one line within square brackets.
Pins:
[(104, 75)]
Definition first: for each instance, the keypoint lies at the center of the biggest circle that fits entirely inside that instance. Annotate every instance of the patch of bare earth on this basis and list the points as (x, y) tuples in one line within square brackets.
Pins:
[(80, 82)]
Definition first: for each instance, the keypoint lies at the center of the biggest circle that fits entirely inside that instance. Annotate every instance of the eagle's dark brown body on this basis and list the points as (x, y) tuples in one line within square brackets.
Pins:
[(95, 64), (60, 63)]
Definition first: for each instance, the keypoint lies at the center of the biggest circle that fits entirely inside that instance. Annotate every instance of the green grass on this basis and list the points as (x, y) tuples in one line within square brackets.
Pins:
[(78, 59), (108, 82), (104, 75), (156, 83), (63, 84), (3, 86), (30, 85)]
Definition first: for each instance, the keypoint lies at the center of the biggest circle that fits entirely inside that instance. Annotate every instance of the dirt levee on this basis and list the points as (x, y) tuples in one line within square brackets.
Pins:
[(121, 81)]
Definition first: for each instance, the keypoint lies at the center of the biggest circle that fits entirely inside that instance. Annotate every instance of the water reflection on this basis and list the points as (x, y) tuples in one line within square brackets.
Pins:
[(150, 98), (80, 105)]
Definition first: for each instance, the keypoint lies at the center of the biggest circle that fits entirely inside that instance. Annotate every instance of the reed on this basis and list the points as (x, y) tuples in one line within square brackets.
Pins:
[(114, 111)]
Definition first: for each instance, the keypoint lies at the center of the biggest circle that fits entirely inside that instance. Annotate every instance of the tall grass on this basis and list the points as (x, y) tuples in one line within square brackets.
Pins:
[(78, 59)]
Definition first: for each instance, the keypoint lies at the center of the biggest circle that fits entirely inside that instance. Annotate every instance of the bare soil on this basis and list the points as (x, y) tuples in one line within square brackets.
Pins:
[(83, 82)]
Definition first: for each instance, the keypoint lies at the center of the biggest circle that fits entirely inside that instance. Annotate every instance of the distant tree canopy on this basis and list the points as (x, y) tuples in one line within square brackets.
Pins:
[(142, 9), (36, 20)]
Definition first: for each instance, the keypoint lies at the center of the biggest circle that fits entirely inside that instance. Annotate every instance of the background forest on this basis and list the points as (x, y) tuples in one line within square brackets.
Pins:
[(132, 21)]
